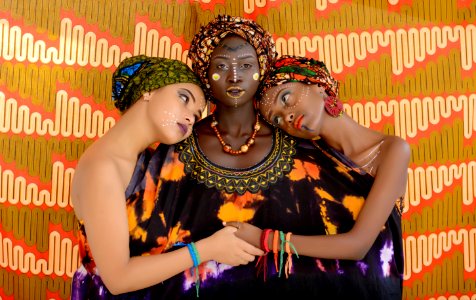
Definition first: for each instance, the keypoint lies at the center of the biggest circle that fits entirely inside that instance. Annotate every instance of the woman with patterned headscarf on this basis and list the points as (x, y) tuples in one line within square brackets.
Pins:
[(235, 169), (299, 96), (160, 100)]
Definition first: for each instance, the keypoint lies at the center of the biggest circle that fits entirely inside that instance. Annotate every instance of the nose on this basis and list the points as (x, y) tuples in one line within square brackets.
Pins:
[(234, 75), (190, 119), (290, 117)]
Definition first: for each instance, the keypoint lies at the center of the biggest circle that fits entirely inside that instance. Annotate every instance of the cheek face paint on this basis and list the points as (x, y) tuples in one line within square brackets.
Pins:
[(171, 119), (215, 76), (255, 76)]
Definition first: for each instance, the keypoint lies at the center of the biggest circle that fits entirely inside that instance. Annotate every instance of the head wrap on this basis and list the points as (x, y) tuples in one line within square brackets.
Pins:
[(299, 69), (210, 36), (140, 74)]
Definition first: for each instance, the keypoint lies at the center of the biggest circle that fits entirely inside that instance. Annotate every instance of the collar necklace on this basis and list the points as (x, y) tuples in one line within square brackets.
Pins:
[(245, 147)]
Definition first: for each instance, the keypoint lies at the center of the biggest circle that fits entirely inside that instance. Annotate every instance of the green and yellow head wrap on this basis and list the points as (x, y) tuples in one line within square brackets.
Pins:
[(140, 74)]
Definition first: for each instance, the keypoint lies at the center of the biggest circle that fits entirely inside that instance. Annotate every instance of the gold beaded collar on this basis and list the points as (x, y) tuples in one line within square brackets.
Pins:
[(274, 166)]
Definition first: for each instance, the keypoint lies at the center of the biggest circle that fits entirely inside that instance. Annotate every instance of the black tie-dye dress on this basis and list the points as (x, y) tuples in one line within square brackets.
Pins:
[(177, 195)]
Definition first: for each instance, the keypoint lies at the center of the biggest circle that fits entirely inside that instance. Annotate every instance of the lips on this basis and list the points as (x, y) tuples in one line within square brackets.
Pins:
[(298, 122), (235, 92), (183, 128)]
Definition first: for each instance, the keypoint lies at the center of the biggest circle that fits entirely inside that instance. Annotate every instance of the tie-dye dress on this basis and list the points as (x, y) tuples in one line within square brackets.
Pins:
[(177, 195)]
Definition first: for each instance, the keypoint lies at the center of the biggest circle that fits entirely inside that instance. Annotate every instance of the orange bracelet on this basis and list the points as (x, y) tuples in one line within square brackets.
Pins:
[(288, 240), (275, 248)]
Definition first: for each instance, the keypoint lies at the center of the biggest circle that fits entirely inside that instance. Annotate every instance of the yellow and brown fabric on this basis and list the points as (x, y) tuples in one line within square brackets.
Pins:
[(405, 67)]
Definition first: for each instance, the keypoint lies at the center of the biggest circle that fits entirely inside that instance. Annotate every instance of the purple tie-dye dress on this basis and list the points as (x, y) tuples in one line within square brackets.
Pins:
[(177, 195)]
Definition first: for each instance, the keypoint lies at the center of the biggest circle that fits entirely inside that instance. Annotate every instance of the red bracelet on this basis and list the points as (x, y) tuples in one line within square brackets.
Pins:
[(264, 240)]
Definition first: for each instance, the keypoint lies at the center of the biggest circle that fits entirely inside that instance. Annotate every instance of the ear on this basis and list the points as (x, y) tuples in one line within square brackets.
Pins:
[(147, 96)]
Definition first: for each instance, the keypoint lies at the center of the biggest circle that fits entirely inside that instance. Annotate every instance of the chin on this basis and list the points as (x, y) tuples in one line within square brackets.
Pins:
[(302, 135), (168, 140)]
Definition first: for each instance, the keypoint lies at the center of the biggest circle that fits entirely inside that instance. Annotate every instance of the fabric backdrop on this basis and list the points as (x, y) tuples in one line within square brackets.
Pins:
[(406, 68)]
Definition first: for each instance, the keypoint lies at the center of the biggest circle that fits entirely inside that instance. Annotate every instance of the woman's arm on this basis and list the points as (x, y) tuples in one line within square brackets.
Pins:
[(389, 185), (101, 204)]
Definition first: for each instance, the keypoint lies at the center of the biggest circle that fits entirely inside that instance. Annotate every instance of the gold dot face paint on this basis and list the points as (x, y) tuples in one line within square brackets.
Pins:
[(256, 76), (216, 76)]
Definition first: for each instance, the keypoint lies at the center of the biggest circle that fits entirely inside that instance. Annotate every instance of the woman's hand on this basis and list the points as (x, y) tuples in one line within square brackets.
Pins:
[(246, 232), (224, 246)]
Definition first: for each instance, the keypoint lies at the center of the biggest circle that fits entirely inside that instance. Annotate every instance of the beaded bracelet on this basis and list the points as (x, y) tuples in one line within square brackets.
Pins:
[(196, 262)]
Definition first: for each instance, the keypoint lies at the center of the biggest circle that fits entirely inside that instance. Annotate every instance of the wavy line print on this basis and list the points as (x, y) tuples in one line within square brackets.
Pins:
[(423, 182), (14, 190), (71, 119), (421, 251), (36, 155), (444, 213), (448, 277), (408, 46), (77, 47), (63, 257), (416, 114)]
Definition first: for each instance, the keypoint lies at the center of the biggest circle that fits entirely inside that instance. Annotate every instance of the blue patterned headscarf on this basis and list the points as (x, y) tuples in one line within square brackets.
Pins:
[(140, 74)]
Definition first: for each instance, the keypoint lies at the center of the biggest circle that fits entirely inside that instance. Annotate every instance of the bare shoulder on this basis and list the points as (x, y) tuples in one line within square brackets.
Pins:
[(94, 175), (395, 149), (396, 144)]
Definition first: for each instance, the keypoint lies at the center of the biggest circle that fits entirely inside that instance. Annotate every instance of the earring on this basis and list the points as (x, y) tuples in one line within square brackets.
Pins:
[(147, 97), (333, 106)]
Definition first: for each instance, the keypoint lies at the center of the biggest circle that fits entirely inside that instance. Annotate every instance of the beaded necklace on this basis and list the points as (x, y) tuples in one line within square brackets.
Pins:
[(245, 147)]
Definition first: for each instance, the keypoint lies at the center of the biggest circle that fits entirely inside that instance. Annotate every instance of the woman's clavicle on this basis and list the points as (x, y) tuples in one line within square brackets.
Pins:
[(368, 159)]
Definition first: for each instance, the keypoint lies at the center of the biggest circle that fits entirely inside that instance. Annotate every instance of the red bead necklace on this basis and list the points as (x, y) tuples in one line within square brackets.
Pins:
[(244, 148)]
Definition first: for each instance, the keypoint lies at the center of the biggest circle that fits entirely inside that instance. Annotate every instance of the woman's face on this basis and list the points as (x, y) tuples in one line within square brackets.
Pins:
[(233, 73), (294, 107), (174, 109)]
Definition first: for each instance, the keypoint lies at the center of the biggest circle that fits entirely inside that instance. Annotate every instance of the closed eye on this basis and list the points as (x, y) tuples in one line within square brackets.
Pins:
[(285, 98), (276, 120)]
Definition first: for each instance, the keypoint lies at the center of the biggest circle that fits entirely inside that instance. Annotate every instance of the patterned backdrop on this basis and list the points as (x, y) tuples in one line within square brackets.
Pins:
[(406, 68)]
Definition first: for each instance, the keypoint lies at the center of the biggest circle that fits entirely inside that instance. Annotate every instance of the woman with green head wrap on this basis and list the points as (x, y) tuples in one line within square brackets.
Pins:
[(160, 100)]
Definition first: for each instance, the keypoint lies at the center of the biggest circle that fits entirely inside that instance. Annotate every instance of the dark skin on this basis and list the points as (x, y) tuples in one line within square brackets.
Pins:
[(236, 63), (299, 110)]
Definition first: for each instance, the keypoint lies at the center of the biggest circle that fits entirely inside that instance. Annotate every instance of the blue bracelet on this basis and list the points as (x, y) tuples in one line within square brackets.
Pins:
[(196, 262)]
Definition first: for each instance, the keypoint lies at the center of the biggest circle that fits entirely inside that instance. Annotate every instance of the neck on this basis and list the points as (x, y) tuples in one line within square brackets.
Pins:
[(236, 121), (129, 127), (343, 134)]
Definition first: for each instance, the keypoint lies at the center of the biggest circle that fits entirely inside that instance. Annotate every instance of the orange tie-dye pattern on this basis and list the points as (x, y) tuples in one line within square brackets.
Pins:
[(323, 194), (173, 169), (353, 204), (176, 234), (342, 170), (149, 197), (330, 227), (235, 205), (303, 170), (135, 231)]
